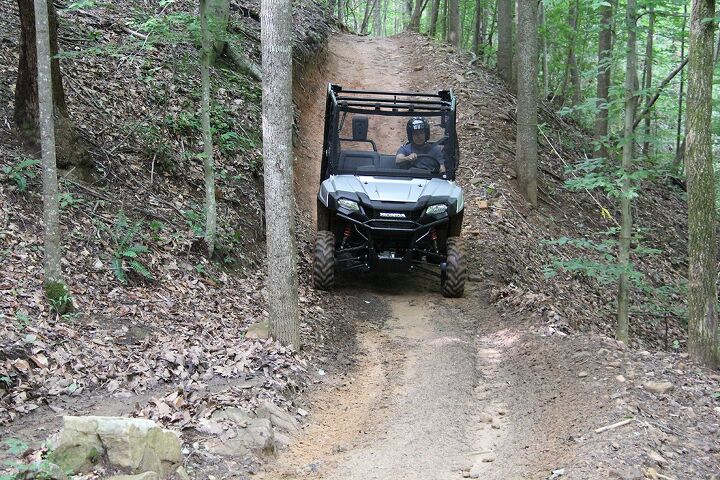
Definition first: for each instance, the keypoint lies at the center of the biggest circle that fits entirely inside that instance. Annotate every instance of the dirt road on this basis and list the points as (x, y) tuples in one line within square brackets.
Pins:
[(429, 397), (446, 389)]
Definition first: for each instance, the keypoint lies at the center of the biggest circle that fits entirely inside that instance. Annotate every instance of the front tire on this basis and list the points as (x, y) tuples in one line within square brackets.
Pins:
[(452, 282), (323, 273)]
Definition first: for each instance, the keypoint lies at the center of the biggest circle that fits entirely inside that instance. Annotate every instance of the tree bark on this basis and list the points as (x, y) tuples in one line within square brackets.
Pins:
[(680, 152), (453, 22), (478, 33), (603, 78), (622, 327), (658, 91), (208, 45), (218, 19), (434, 18), (544, 55), (647, 77), (572, 73), (527, 51), (414, 25), (277, 125), (505, 40), (377, 19), (69, 151), (55, 289), (703, 327), (369, 6)]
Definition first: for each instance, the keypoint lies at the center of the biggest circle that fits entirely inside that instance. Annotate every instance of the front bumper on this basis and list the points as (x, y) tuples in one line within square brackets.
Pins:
[(391, 245)]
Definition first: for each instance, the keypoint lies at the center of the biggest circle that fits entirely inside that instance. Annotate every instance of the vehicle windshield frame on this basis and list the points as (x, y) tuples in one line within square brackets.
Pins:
[(432, 106)]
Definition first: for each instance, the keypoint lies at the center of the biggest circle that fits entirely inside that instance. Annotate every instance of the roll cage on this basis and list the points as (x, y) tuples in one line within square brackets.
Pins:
[(341, 102)]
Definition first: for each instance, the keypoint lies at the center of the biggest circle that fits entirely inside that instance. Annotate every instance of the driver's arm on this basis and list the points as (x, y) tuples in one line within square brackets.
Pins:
[(401, 158)]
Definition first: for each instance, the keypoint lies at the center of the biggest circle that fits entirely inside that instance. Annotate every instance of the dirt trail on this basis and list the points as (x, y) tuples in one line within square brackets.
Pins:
[(429, 397)]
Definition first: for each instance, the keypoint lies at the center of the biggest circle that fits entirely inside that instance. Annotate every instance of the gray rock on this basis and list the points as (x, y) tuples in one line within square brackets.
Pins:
[(238, 416), (258, 436), (140, 476), (278, 417), (485, 417), (132, 443), (658, 387), (655, 457), (630, 473)]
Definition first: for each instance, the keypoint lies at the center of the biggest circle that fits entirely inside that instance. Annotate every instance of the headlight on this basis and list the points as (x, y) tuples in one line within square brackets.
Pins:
[(349, 204), (436, 209)]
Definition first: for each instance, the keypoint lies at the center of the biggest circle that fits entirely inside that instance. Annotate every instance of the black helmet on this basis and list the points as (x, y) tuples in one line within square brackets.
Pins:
[(418, 123)]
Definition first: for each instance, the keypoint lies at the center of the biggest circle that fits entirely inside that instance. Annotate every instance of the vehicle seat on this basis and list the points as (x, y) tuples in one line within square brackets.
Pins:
[(352, 159)]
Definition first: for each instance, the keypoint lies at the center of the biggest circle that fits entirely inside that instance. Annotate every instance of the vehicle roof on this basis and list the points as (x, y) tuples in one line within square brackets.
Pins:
[(392, 103)]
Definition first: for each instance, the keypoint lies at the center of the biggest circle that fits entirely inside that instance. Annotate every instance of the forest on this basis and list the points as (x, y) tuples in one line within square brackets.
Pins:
[(174, 303)]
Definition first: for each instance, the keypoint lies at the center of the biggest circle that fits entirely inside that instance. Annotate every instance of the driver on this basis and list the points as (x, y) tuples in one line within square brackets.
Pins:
[(431, 156)]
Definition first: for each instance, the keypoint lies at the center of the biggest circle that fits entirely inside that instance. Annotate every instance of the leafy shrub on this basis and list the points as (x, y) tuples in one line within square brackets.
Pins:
[(127, 248), (20, 172)]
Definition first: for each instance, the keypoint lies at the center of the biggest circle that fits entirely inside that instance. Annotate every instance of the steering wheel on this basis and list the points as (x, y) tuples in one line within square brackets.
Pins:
[(427, 162)]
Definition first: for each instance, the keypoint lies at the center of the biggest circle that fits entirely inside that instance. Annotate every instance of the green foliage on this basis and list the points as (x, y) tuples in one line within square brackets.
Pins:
[(22, 321), (58, 295), (20, 172), (67, 200), (170, 28), (195, 219), (43, 469), (80, 5), (128, 251)]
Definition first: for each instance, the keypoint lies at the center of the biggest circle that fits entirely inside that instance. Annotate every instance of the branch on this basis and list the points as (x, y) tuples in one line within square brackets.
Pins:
[(245, 65), (660, 87)]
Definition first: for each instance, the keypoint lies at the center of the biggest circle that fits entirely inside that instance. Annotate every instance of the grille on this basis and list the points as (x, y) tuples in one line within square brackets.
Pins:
[(385, 223)]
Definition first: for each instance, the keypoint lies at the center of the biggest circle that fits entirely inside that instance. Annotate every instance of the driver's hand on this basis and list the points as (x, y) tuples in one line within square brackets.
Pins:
[(413, 156)]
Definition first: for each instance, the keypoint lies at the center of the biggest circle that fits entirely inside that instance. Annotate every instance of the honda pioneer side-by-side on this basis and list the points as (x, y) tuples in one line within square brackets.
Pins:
[(388, 200)]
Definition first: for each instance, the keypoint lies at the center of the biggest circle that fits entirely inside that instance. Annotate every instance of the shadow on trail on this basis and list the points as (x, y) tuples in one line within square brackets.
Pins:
[(388, 284)]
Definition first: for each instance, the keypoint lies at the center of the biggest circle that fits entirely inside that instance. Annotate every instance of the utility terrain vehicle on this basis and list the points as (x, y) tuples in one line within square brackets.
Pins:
[(380, 211)]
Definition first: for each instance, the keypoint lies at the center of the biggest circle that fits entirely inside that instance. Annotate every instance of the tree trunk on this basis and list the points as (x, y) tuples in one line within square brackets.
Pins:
[(277, 125), (208, 44), (462, 36), (218, 19), (572, 73), (453, 22), (414, 25), (377, 19), (504, 41), (527, 51), (574, 68), (680, 151), (69, 151), (434, 18), (444, 20), (341, 10), (703, 327), (55, 288), (477, 26), (647, 77), (369, 5), (622, 328), (545, 70), (491, 34), (603, 78), (716, 57), (332, 5)]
